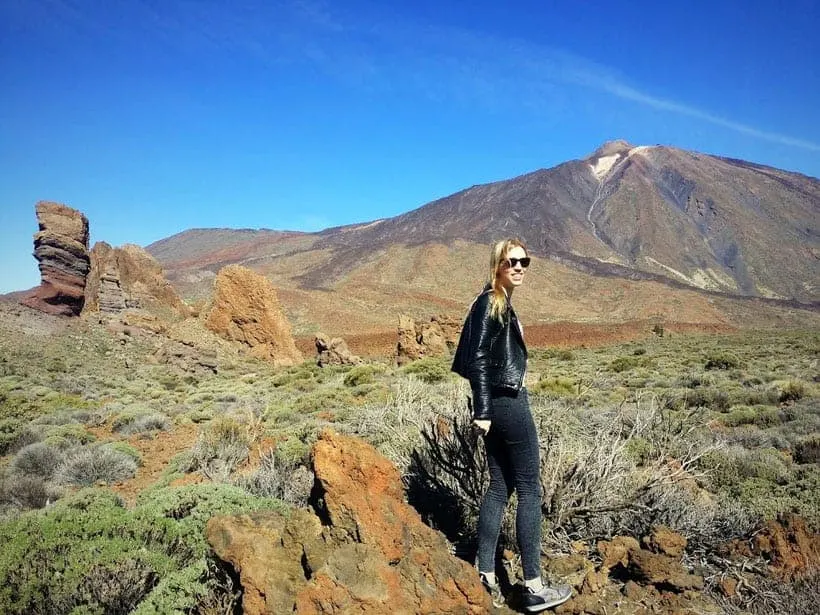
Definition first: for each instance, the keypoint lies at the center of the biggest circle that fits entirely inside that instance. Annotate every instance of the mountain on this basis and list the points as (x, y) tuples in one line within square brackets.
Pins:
[(659, 223)]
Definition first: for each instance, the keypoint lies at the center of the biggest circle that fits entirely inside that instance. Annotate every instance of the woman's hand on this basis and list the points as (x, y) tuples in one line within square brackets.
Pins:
[(483, 426)]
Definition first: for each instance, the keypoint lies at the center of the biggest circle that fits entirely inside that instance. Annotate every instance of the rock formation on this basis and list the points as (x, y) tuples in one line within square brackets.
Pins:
[(333, 352), (129, 278), (434, 338), (61, 250), (365, 551), (246, 310)]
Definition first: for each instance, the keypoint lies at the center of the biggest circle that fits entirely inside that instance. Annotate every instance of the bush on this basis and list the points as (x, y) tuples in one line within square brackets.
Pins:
[(68, 435), (807, 449), (89, 553), (622, 364), (361, 374), (126, 449), (428, 369), (555, 387), (280, 476), (131, 424), (9, 433), (562, 354), (26, 492), (721, 360), (89, 465), (37, 460), (707, 397), (220, 449), (791, 390)]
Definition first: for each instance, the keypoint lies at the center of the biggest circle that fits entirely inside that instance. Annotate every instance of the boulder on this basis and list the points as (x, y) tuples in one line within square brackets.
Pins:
[(246, 310), (333, 352), (434, 338), (128, 278), (61, 250), (790, 546), (364, 550), (663, 540)]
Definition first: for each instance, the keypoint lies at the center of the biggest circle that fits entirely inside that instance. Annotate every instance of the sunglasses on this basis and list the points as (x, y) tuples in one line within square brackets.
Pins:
[(512, 262)]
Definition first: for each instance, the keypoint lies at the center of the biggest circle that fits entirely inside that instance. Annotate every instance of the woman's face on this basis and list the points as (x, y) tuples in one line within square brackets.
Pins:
[(512, 275)]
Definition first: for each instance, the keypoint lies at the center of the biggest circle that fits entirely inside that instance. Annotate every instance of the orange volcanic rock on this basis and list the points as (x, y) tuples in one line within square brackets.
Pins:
[(433, 338), (61, 250), (129, 278), (366, 552), (246, 310)]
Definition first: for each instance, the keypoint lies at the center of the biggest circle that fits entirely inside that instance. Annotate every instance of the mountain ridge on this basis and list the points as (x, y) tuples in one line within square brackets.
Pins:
[(628, 232)]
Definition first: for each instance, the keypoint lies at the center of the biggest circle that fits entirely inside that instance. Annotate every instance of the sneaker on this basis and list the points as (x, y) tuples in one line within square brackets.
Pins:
[(546, 598), (494, 589)]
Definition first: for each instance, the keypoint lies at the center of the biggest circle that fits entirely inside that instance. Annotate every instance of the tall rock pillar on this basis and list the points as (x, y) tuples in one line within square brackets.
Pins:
[(61, 250)]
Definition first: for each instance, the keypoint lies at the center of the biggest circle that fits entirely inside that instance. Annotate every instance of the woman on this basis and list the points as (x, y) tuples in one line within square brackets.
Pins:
[(491, 353)]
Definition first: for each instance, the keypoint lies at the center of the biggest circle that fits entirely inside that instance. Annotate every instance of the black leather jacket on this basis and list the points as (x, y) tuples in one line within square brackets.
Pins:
[(491, 354)]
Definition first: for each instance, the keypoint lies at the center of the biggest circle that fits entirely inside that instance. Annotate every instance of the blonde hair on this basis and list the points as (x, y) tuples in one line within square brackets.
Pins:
[(498, 255)]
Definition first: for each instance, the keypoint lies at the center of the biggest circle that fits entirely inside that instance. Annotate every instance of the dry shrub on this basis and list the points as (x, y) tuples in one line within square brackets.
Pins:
[(88, 465), (220, 449), (37, 460), (279, 476), (128, 425), (23, 492), (595, 487)]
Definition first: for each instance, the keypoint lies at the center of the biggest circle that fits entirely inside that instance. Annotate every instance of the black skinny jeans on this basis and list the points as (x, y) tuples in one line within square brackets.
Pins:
[(514, 464)]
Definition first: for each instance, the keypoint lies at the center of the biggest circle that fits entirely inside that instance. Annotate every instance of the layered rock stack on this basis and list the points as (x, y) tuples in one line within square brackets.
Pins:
[(365, 552), (434, 338), (61, 250), (246, 310), (129, 278)]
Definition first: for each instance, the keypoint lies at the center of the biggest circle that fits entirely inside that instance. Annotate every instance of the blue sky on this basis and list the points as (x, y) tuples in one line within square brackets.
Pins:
[(155, 116)]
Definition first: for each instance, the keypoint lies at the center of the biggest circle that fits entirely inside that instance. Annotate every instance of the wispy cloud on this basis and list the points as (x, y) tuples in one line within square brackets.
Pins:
[(438, 63), (626, 92)]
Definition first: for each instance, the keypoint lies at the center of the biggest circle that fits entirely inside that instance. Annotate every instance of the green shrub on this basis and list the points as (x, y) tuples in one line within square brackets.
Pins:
[(638, 449), (9, 433), (791, 390), (428, 369), (622, 364), (707, 397), (555, 387), (126, 449), (323, 399), (721, 360), (807, 449), (361, 374), (562, 354), (89, 553), (88, 465), (68, 435)]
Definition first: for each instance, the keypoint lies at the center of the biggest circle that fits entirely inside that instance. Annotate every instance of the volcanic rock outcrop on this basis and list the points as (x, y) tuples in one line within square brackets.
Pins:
[(61, 250), (333, 351), (365, 551), (129, 278), (246, 310), (433, 338)]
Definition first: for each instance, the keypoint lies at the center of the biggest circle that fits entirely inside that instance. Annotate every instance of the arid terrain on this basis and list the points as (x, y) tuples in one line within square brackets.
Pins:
[(177, 437)]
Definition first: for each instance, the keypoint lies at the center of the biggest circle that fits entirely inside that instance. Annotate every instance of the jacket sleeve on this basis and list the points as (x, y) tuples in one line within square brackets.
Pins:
[(483, 331)]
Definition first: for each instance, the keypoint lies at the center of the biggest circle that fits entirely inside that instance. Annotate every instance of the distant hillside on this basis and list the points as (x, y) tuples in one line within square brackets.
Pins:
[(654, 217)]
